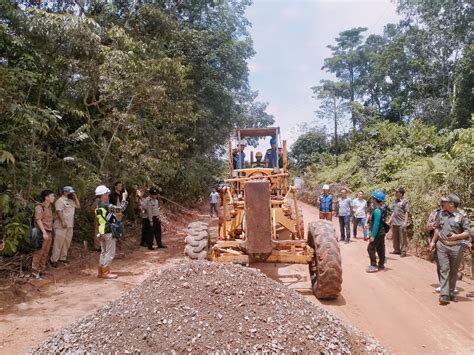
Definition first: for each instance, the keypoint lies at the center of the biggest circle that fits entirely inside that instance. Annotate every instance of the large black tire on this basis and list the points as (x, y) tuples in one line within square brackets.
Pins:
[(325, 269), (197, 241)]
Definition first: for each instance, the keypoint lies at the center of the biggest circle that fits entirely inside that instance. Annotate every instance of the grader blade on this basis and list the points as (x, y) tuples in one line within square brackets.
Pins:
[(258, 220)]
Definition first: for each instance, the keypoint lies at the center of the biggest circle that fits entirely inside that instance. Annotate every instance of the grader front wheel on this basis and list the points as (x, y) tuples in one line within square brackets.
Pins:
[(197, 241), (325, 269)]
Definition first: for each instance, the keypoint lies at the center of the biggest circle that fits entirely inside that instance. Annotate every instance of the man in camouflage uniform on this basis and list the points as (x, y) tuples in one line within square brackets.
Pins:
[(450, 241)]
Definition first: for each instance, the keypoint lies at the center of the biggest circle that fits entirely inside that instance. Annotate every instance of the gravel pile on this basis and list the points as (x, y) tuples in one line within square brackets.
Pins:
[(209, 308)]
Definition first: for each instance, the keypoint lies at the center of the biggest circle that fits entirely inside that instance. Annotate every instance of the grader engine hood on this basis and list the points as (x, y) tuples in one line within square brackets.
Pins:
[(258, 220)]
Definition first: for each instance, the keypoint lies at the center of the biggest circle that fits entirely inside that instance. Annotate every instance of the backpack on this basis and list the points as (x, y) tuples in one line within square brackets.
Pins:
[(386, 212), (112, 225), (36, 235)]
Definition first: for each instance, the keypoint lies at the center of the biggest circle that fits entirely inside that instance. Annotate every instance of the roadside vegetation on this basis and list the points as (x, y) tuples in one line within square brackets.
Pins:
[(93, 92)]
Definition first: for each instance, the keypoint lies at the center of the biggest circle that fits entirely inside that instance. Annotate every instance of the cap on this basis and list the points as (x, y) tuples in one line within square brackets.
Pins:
[(242, 142), (443, 199), (273, 141), (153, 191), (401, 189), (326, 187), (68, 189), (454, 198), (101, 190)]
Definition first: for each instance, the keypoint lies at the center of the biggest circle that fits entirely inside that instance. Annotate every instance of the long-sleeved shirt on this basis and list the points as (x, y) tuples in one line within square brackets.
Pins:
[(376, 222)]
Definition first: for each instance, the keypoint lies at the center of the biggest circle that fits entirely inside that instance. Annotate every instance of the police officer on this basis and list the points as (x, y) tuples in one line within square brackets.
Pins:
[(449, 242), (399, 220)]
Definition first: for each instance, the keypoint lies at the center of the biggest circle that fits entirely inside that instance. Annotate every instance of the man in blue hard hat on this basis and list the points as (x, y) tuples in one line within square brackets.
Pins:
[(272, 156), (378, 229)]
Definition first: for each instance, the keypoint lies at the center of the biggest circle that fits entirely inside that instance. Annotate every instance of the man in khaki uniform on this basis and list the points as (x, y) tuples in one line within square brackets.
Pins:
[(64, 224), (399, 221), (450, 240), (44, 221)]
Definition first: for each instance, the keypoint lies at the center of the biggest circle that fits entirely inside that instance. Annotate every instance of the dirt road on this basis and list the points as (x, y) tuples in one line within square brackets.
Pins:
[(397, 306), (59, 304)]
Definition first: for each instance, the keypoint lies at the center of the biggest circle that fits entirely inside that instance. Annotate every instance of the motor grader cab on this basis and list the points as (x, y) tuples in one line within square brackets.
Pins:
[(261, 220)]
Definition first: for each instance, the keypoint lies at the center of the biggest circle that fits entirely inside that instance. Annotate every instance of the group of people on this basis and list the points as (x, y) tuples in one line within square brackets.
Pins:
[(449, 229), (57, 228), (272, 159)]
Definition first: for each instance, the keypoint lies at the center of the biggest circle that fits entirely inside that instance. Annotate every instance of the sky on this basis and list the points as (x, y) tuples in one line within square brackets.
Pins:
[(291, 38)]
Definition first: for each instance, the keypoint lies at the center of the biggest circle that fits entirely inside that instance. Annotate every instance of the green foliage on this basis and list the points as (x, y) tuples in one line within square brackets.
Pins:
[(145, 92), (420, 68), (386, 155)]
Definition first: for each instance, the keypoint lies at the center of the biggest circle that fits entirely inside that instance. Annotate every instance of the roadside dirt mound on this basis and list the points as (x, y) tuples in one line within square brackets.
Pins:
[(202, 307)]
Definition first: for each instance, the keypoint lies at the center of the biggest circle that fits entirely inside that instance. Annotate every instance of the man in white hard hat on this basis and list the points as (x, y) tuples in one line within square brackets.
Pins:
[(325, 204), (105, 216), (238, 155)]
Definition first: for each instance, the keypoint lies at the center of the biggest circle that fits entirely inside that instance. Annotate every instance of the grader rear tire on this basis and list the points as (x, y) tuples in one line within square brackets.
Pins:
[(197, 241), (325, 269)]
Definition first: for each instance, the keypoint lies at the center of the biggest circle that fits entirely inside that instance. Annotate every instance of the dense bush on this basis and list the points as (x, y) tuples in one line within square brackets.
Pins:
[(386, 155)]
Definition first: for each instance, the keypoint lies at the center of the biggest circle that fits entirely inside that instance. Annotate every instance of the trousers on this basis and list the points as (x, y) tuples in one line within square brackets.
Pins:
[(214, 209), (377, 246), (400, 239), (449, 259), (345, 226), (153, 232), (62, 241), (107, 247), (355, 223), (325, 215), (40, 257)]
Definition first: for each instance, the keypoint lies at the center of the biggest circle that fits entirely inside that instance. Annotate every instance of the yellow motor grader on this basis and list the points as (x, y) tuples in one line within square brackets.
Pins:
[(261, 221)]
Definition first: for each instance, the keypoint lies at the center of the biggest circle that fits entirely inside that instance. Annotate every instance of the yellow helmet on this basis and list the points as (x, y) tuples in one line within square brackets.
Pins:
[(259, 154)]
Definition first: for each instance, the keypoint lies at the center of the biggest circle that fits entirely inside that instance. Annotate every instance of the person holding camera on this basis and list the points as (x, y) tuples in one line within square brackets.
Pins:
[(105, 213), (64, 225)]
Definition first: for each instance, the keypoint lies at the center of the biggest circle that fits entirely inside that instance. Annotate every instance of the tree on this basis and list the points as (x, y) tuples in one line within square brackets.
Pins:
[(334, 105), (346, 62), (308, 147)]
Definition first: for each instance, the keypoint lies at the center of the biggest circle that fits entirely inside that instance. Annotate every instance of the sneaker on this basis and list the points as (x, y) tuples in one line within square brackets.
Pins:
[(53, 264), (402, 255), (37, 276), (395, 252), (162, 246), (438, 290), (347, 241), (381, 267), (64, 261), (444, 300), (453, 299), (372, 269)]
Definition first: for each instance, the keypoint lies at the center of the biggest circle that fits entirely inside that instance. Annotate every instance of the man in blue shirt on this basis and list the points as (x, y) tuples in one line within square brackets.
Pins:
[(344, 212), (324, 203), (377, 233), (272, 156), (238, 155)]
